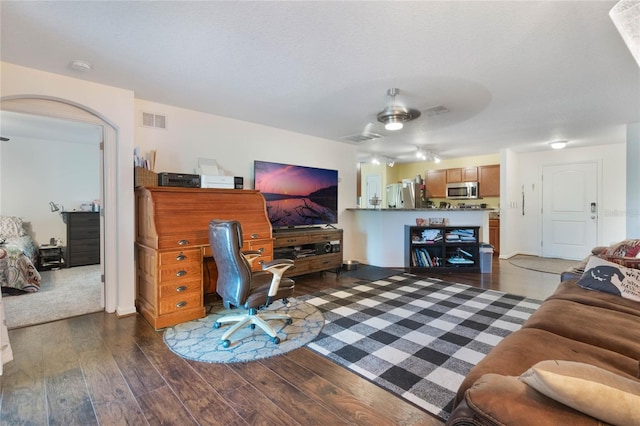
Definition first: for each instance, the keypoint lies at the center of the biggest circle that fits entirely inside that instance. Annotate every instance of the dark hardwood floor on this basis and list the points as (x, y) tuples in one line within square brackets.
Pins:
[(98, 369)]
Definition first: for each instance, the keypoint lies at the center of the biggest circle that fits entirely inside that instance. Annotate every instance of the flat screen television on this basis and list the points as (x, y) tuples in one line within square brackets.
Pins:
[(297, 196)]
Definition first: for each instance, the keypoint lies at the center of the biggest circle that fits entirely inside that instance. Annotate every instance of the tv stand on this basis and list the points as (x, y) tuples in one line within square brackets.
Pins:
[(311, 249)]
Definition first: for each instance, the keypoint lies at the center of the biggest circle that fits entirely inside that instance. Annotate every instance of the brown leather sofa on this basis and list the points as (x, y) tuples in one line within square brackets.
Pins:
[(573, 324)]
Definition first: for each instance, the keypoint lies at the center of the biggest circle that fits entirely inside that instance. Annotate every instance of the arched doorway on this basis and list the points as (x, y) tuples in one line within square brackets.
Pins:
[(63, 109)]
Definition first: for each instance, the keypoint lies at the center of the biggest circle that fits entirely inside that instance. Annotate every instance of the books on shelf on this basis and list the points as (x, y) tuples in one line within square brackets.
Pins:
[(421, 257)]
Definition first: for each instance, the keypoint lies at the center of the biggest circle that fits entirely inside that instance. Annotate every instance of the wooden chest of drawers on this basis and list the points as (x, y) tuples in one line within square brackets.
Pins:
[(83, 238), (172, 238)]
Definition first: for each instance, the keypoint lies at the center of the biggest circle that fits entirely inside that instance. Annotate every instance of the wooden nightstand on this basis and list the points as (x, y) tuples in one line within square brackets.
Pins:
[(50, 257)]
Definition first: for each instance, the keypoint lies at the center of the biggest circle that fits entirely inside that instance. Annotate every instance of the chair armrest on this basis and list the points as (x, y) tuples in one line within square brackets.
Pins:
[(277, 267), (251, 255)]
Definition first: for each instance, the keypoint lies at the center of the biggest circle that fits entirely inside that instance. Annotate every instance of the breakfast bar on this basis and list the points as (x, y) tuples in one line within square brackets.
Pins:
[(380, 233)]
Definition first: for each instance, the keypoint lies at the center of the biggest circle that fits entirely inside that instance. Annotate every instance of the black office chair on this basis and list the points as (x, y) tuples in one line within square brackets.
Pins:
[(239, 287)]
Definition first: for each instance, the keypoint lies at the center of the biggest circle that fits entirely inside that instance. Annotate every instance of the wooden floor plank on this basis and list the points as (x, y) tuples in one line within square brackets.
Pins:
[(197, 395), (255, 408), (109, 391), (68, 399), (23, 389), (300, 406), (163, 407)]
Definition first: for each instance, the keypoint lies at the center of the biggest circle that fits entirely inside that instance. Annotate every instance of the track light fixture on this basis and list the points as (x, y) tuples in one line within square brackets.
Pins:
[(426, 155), (376, 160)]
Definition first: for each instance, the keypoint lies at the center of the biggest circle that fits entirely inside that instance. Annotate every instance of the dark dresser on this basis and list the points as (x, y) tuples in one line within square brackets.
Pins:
[(83, 238)]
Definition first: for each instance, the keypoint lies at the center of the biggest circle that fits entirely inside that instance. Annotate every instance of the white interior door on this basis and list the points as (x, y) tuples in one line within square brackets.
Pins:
[(374, 188), (569, 210)]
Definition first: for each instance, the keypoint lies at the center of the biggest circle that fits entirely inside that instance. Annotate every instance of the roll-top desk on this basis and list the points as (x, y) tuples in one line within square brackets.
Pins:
[(172, 239)]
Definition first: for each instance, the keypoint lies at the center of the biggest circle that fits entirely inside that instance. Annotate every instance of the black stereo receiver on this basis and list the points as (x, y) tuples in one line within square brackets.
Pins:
[(328, 247), (178, 179)]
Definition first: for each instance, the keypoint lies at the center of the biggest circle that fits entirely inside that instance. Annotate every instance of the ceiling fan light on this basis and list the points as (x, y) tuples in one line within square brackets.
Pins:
[(393, 124), (558, 144)]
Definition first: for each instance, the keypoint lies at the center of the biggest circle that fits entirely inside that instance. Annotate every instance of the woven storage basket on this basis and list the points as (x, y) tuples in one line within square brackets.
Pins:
[(144, 177)]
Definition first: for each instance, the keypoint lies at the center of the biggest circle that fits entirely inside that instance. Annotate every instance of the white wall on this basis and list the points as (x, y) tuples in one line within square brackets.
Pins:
[(236, 144), (523, 232), (35, 171)]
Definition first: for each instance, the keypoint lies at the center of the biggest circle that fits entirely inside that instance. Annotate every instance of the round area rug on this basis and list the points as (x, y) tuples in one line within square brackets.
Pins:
[(199, 341)]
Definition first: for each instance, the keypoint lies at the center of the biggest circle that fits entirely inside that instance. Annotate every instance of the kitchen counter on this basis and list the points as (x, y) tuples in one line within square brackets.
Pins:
[(380, 232)]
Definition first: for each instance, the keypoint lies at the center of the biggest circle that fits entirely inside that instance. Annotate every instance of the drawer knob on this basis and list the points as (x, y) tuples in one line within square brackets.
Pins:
[(181, 273), (261, 249), (181, 304), (181, 257), (254, 236), (183, 242), (260, 262), (291, 241), (181, 288)]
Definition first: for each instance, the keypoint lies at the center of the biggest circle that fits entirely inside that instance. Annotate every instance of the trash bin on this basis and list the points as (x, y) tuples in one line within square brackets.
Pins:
[(486, 258)]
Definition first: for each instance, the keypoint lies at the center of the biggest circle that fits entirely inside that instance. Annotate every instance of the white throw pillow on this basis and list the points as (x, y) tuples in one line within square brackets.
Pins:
[(589, 389)]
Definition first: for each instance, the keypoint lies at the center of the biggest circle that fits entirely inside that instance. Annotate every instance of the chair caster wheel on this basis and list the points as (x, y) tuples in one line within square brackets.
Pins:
[(252, 326), (216, 325), (226, 343), (275, 340), (288, 321)]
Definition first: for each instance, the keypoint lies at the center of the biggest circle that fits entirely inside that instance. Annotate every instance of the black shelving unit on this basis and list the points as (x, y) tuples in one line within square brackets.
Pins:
[(442, 248)]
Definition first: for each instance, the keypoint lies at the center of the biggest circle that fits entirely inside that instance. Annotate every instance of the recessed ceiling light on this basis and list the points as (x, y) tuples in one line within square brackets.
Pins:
[(80, 65), (558, 144)]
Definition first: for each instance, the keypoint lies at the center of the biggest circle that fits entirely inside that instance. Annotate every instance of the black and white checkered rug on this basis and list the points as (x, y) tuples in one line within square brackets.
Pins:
[(416, 337)]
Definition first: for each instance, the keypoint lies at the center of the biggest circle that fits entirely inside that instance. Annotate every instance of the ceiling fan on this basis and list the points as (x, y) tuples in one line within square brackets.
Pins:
[(393, 116)]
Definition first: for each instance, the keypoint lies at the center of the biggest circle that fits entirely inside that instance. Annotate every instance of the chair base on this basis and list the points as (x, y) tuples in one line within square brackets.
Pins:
[(249, 319)]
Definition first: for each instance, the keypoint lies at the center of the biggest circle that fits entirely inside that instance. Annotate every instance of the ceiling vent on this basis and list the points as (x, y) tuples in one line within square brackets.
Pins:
[(435, 110), (362, 137), (154, 120)]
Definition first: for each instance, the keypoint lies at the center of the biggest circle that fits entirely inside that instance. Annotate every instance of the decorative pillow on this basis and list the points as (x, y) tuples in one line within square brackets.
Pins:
[(589, 389), (626, 248), (611, 278), (11, 226), (625, 253)]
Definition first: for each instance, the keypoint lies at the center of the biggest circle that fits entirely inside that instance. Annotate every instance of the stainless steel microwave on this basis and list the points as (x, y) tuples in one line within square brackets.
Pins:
[(462, 190)]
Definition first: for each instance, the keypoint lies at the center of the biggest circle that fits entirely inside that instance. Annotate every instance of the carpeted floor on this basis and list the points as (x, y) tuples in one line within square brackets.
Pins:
[(543, 264), (64, 293), (199, 341), (417, 338)]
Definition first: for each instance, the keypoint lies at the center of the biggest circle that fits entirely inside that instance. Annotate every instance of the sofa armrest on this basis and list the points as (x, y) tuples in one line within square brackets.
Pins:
[(504, 400)]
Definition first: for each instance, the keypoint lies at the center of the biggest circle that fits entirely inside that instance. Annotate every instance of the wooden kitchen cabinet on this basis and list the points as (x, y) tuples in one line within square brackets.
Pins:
[(462, 174), (489, 180), (494, 235), (436, 183)]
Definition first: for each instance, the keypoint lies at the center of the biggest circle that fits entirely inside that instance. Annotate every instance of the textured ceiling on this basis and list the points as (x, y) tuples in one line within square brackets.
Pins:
[(512, 74)]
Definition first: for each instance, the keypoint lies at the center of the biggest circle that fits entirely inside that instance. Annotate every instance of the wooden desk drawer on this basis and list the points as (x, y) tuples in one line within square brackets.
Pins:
[(326, 261), (186, 272), (291, 240), (180, 257), (179, 289), (181, 302)]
